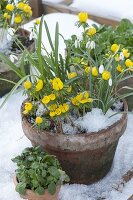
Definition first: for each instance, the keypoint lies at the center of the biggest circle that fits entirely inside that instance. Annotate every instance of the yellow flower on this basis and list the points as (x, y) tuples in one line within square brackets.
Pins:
[(74, 101), (45, 100), (28, 107), (7, 16), (39, 120), (117, 58), (106, 75), (27, 85), (72, 75), (83, 16), (128, 63), (30, 13), (18, 19), (83, 98), (37, 21), (52, 96), (69, 89), (27, 8), (64, 108), (87, 70), (126, 53), (58, 111), (91, 31), (114, 47), (10, 7), (57, 84), (94, 71), (52, 114), (119, 68), (21, 5), (39, 85), (53, 107)]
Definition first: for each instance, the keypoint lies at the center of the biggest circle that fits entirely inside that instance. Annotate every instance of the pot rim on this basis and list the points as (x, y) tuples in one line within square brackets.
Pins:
[(90, 134)]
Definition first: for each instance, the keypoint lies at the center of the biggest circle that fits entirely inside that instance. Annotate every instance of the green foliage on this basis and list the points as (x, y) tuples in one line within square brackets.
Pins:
[(38, 171)]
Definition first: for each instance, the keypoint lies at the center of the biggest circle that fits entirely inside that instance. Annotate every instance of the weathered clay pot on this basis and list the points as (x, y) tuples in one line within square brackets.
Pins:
[(6, 73), (129, 83), (86, 158), (30, 195)]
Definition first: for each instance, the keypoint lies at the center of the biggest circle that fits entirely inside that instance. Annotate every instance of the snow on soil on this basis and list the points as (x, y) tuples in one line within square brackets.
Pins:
[(13, 141)]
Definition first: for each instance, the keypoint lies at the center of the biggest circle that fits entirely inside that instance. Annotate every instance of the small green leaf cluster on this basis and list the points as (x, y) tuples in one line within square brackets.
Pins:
[(38, 171)]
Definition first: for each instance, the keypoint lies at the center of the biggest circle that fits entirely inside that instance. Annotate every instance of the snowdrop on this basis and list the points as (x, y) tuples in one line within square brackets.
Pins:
[(13, 58), (90, 45), (101, 69), (121, 56), (76, 44), (110, 82), (10, 33)]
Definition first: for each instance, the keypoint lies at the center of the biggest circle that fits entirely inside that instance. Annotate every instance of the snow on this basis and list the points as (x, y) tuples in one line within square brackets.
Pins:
[(67, 28), (13, 141), (114, 9), (52, 1)]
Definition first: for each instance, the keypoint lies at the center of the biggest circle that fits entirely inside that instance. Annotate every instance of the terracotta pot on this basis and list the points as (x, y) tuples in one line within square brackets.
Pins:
[(86, 158), (30, 195), (8, 74), (129, 83)]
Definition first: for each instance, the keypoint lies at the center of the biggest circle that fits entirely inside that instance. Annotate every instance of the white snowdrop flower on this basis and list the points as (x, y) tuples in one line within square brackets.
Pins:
[(90, 45), (121, 56), (10, 33), (101, 69), (31, 36), (13, 58), (110, 82)]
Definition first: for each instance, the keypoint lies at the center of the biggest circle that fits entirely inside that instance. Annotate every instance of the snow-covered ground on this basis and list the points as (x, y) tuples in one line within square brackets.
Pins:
[(113, 9), (13, 141)]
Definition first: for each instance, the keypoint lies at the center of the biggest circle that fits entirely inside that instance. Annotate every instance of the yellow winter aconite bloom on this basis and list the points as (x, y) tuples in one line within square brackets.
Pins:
[(39, 120), (27, 85), (126, 53), (87, 70), (106, 75), (57, 84), (37, 21), (94, 71), (21, 5), (117, 58), (114, 47), (128, 63), (81, 98), (58, 111), (7, 16), (10, 7), (28, 107), (39, 85), (83, 16), (119, 68), (53, 107), (26, 8), (64, 108), (75, 101), (91, 31), (45, 100), (52, 114), (52, 96), (18, 19), (72, 75)]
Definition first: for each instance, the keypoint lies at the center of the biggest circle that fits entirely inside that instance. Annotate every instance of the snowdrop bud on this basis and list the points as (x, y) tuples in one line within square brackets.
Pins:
[(10, 33), (13, 58), (92, 45), (121, 56), (31, 35), (110, 82), (88, 44), (101, 69)]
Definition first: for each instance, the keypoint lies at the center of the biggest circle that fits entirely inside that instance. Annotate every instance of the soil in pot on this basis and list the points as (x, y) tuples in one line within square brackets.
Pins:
[(85, 157), (5, 72), (30, 195)]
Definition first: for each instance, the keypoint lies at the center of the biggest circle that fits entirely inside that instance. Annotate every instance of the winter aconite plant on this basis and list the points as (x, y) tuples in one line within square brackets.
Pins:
[(38, 171), (12, 15), (63, 90)]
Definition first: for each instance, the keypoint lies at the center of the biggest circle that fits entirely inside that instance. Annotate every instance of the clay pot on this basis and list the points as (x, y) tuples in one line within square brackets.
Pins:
[(8, 74), (129, 83), (30, 195), (86, 158)]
